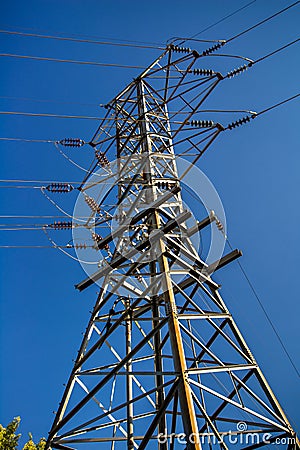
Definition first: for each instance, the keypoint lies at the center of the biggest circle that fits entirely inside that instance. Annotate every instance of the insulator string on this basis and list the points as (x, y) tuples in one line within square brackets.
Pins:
[(65, 252)]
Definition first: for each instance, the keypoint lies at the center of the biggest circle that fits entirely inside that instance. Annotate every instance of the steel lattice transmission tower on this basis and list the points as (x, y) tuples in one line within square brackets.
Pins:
[(161, 357)]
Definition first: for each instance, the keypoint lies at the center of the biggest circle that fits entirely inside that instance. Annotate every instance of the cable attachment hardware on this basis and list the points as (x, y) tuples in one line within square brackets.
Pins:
[(202, 123), (138, 276), (240, 122), (164, 185), (60, 225), (102, 159), (203, 72), (80, 246), (72, 142), (177, 49), (213, 48), (59, 187), (92, 204), (237, 71)]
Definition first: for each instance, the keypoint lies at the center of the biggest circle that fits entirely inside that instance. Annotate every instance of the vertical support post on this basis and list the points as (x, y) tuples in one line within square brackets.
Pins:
[(185, 395), (129, 391)]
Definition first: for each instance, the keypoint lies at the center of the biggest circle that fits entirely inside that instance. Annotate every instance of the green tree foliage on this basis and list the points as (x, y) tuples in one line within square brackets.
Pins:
[(9, 440)]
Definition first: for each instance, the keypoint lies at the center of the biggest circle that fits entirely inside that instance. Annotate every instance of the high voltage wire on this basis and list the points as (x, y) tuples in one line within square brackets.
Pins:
[(272, 107), (88, 41), (263, 21), (222, 20), (35, 246), (62, 116), (36, 100), (275, 51), (124, 66), (53, 141), (251, 285), (71, 61), (278, 104), (43, 141), (250, 28), (133, 41), (58, 116), (247, 278), (34, 217)]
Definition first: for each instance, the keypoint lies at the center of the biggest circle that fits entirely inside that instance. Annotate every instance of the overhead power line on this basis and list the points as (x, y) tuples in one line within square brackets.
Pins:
[(223, 18), (275, 51), (36, 100), (64, 116), (278, 104), (57, 116), (88, 36), (256, 114), (56, 246), (263, 21), (71, 61), (60, 116), (44, 141), (86, 41), (247, 29), (260, 302)]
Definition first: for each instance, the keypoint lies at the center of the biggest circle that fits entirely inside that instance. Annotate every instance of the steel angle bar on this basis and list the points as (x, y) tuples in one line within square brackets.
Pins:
[(128, 255), (150, 431), (228, 400), (109, 415), (192, 270), (113, 410), (202, 345), (191, 256), (132, 221), (216, 369), (108, 377)]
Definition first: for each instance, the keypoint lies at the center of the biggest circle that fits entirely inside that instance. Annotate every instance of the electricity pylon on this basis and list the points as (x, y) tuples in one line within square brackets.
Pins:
[(162, 361)]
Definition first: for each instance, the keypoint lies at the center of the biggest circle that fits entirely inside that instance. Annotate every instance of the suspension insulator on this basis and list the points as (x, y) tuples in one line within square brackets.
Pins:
[(239, 122), (80, 246), (202, 123), (102, 159), (103, 214), (219, 224), (61, 225), (237, 71), (92, 204), (97, 238), (72, 142), (203, 72), (59, 187), (213, 217), (213, 48), (177, 49)]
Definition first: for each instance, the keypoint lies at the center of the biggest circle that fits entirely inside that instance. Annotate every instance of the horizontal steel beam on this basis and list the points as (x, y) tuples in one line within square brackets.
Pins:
[(122, 258), (224, 261), (132, 221)]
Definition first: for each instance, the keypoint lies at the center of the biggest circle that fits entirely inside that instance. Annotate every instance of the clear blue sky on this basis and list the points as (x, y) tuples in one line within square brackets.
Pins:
[(254, 168)]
